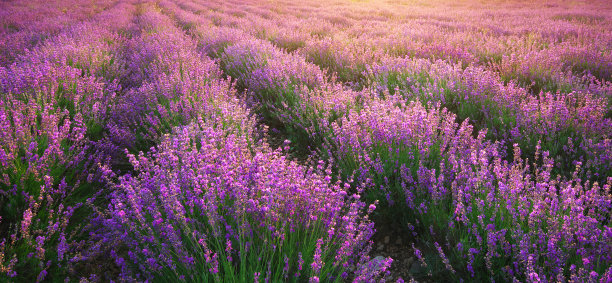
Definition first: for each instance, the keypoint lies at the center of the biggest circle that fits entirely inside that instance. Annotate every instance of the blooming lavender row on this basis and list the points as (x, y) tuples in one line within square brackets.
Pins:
[(234, 221), (168, 84), (277, 82), (52, 107), (500, 220)]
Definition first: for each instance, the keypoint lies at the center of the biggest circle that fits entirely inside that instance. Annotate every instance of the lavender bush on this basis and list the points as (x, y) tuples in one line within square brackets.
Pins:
[(497, 220), (204, 206)]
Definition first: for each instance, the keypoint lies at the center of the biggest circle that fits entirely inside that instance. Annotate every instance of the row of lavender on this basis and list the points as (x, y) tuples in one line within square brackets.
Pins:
[(53, 105), (487, 213), (214, 203)]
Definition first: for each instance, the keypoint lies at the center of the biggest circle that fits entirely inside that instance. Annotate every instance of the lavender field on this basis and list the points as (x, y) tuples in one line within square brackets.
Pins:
[(305, 141)]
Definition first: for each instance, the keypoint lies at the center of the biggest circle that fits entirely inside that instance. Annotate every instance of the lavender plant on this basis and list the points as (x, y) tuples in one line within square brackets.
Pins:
[(204, 206), (498, 220)]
